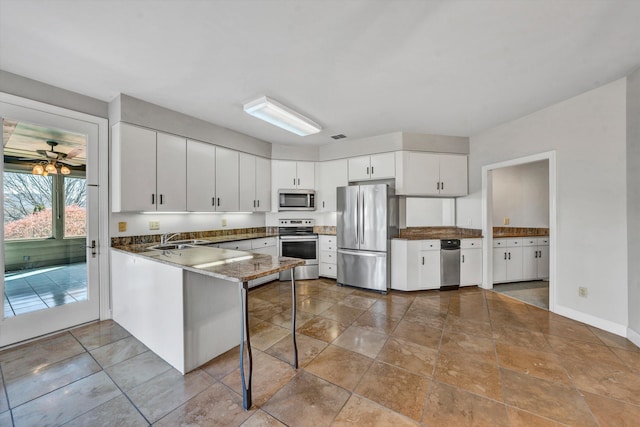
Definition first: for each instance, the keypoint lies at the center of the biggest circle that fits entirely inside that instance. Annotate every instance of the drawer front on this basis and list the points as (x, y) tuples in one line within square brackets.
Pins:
[(543, 241), (499, 243), (513, 243), (470, 243), (241, 245), (328, 256), (263, 243), (430, 245), (327, 270), (530, 241), (327, 243)]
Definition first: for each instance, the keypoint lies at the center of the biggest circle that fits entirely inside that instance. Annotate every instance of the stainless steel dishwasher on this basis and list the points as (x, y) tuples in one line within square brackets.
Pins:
[(449, 264)]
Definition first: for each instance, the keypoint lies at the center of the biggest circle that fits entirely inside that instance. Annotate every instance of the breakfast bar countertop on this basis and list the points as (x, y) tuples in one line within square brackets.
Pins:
[(227, 264)]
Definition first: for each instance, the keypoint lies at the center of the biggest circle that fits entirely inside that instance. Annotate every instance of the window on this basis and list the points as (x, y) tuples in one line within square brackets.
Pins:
[(28, 201), (75, 207)]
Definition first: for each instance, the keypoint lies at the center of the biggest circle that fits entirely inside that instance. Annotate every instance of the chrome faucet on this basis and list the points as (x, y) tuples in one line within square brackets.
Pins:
[(164, 239)]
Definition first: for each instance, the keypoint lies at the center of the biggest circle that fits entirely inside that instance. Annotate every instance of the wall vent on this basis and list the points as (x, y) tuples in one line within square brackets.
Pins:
[(338, 136)]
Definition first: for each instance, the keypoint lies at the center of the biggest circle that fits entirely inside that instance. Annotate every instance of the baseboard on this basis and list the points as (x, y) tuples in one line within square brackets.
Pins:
[(607, 325), (633, 336)]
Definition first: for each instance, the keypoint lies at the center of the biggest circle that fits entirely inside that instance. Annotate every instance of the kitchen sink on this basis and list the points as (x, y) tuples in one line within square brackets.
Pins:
[(171, 246), (188, 242)]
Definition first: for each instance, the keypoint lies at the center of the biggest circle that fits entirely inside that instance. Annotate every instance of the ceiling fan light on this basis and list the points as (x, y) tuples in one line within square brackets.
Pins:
[(37, 170), (279, 115), (65, 170), (50, 168)]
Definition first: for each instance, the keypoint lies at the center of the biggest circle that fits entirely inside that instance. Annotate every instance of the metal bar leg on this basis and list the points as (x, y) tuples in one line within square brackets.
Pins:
[(244, 332), (293, 318)]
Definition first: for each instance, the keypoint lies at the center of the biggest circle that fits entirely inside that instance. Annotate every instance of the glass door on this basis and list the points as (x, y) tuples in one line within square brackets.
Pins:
[(50, 218)]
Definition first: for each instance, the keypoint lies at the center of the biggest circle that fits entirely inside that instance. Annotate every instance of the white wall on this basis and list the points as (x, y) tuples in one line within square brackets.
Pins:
[(521, 193), (588, 134), (429, 212), (633, 202)]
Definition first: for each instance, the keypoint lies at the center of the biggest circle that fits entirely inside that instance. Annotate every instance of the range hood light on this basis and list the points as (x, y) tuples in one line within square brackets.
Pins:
[(277, 114)]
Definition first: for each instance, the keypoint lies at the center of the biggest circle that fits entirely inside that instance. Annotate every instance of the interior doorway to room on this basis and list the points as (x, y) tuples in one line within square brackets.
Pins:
[(50, 223), (519, 200)]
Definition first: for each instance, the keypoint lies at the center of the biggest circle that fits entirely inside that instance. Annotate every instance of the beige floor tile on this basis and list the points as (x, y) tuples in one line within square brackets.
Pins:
[(224, 364), (23, 359), (322, 328), (418, 334), (307, 401), (314, 305), (51, 377), (410, 356), (507, 334), (268, 335), (613, 413), (615, 341), (362, 412), (475, 376), (165, 392), (631, 358), (216, 406), (116, 412), (339, 366), (451, 406), (262, 419), (66, 403), (98, 334), (361, 341), (378, 322), (557, 401), (570, 329), (465, 326), (362, 302), (342, 313), (531, 362), (118, 351), (391, 308), (308, 349), (137, 370), (425, 317), (283, 319), (269, 375), (476, 348), (395, 388), (520, 418)]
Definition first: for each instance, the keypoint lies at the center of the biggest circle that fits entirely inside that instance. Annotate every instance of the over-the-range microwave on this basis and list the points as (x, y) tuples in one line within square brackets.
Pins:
[(296, 200)]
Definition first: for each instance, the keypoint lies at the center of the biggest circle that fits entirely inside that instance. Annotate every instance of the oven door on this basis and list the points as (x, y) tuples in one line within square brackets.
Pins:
[(303, 247)]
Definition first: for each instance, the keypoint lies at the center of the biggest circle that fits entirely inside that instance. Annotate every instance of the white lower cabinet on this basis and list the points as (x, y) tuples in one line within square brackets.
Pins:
[(518, 259), (328, 255), (267, 246), (535, 258), (415, 264), (470, 262)]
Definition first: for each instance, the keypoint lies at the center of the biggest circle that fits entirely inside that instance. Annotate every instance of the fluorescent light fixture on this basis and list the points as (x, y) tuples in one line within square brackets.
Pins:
[(277, 114)]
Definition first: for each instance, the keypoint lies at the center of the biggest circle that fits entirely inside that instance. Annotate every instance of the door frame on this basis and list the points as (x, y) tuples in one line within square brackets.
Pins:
[(487, 219), (99, 179)]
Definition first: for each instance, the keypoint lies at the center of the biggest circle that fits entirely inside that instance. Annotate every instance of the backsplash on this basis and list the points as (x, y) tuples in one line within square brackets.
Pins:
[(324, 229), (519, 231), (445, 232), (152, 238)]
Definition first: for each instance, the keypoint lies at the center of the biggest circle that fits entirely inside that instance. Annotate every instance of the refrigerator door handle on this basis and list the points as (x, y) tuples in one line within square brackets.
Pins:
[(361, 253), (362, 213)]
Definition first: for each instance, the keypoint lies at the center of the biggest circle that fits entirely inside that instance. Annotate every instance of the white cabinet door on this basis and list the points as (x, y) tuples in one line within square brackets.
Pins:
[(529, 262), (429, 265), (171, 158), (330, 175), (383, 166), (543, 262), (134, 168), (470, 267), (359, 168), (514, 264), (201, 176), (284, 174), (247, 182), (227, 182), (499, 265), (305, 178), (453, 175), (263, 184), (420, 174)]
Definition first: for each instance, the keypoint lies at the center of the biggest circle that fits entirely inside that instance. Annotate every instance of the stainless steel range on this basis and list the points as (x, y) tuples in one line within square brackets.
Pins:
[(297, 240)]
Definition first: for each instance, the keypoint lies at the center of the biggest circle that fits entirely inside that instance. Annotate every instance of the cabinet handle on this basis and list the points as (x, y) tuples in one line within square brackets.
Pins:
[(505, 255), (509, 255), (539, 254), (323, 204), (218, 201), (462, 258), (153, 199), (294, 182), (442, 185), (422, 260), (161, 202), (213, 201), (367, 170), (258, 202), (298, 181), (438, 185), (371, 170), (254, 203)]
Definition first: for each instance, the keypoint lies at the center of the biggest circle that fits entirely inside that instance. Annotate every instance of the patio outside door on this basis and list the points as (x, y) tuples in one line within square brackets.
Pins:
[(50, 216)]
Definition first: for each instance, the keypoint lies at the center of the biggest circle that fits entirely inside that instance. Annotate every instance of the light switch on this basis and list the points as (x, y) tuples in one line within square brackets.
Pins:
[(506, 220), (154, 225), (122, 226), (224, 222)]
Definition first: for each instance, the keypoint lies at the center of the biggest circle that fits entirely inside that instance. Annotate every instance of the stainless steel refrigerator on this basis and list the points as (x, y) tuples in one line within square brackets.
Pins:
[(367, 220)]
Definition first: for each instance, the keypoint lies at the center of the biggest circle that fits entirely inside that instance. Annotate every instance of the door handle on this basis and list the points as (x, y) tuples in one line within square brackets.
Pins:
[(362, 213), (93, 248)]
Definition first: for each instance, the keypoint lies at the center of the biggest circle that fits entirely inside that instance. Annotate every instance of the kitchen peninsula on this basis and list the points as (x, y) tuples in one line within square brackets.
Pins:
[(190, 304)]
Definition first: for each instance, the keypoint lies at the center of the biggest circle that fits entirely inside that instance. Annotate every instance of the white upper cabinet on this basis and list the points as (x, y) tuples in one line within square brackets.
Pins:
[(428, 174), (255, 183), (227, 180), (329, 176), (148, 170), (201, 176), (375, 166), (289, 174), (171, 182)]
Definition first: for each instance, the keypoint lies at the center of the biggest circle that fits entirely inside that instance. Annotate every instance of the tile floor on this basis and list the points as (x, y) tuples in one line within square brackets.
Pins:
[(467, 357), (535, 292), (40, 288)]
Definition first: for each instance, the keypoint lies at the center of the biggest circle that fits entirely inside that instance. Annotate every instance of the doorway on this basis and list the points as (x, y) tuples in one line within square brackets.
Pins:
[(503, 194), (51, 217)]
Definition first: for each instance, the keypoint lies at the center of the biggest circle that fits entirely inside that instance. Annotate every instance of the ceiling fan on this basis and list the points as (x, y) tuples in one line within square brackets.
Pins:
[(54, 160)]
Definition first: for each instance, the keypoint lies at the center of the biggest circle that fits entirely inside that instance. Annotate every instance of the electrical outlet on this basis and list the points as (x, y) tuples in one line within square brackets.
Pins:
[(223, 222), (506, 220), (122, 226), (582, 291), (154, 225)]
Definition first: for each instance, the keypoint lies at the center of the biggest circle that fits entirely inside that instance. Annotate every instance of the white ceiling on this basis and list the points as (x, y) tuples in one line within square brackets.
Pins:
[(358, 67)]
